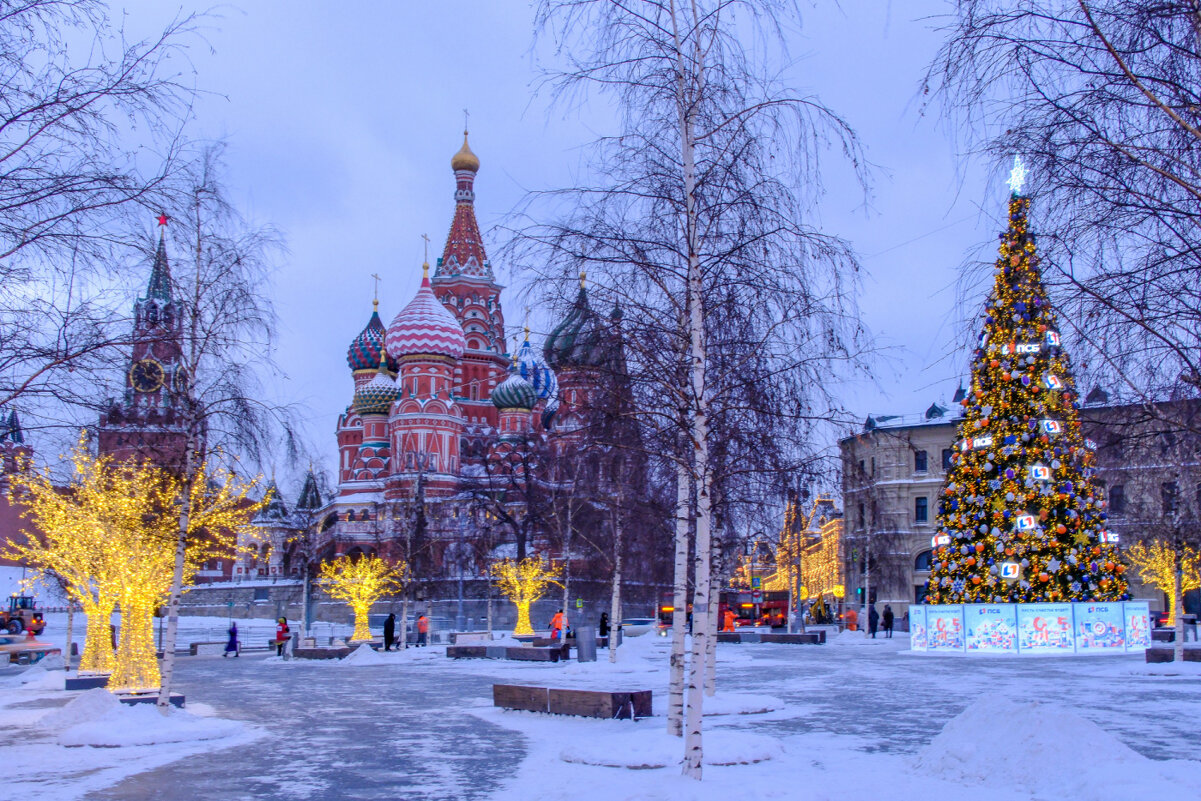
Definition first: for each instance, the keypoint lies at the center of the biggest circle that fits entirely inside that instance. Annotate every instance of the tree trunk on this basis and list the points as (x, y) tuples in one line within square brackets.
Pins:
[(1178, 608), (98, 653), (679, 613), (136, 668), (181, 546), (489, 610), (567, 538), (306, 599), (615, 600), (404, 615), (711, 649), (70, 633)]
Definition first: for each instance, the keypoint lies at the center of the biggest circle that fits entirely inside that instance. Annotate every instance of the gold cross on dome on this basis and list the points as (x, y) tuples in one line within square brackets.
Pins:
[(427, 246), (375, 292)]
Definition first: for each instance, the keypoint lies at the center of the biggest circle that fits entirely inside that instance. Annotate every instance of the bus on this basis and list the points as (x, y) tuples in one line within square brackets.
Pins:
[(750, 608)]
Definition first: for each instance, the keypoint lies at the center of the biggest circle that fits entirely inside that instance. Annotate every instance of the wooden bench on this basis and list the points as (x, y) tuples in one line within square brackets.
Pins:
[(808, 638), (320, 653), (1154, 655), (582, 703), (519, 653)]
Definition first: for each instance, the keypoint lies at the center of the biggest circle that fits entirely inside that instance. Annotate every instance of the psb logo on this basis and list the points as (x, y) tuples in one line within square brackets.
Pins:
[(1026, 523), (1052, 427), (1053, 382), (1109, 536), (1052, 338), (939, 540), (1010, 571), (1040, 472), (1029, 347)]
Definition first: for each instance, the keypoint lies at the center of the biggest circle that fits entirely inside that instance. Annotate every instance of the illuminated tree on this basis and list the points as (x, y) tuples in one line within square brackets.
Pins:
[(1019, 518), (1173, 569), (110, 536), (523, 582), (360, 583)]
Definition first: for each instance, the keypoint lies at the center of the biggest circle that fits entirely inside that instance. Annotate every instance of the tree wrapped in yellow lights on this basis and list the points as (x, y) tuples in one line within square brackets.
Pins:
[(523, 582), (360, 583), (1174, 570), (110, 534)]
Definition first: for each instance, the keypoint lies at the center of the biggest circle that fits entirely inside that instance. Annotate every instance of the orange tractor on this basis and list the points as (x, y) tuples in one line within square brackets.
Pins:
[(22, 615)]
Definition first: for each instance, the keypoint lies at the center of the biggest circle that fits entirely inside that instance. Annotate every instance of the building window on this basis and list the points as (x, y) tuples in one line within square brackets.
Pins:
[(919, 509), (920, 462), (947, 453), (1117, 500), (862, 469), (873, 467), (860, 515), (1170, 494), (922, 562)]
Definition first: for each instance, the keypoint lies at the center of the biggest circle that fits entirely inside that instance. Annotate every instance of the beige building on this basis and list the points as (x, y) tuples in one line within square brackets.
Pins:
[(894, 469)]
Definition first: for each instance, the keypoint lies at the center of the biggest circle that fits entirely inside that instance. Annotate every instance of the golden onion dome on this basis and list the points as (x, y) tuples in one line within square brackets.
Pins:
[(465, 159)]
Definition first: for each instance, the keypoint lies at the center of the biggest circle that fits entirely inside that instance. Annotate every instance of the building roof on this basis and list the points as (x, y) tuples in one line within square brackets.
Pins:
[(365, 349)]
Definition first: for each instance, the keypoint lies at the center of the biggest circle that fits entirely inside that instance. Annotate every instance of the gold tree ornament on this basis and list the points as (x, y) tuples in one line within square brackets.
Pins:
[(360, 583), (1156, 563), (523, 582)]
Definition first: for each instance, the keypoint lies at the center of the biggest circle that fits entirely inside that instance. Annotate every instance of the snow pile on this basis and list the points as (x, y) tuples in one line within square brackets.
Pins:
[(97, 718), (1034, 747), (84, 708), (364, 655), (38, 678), (741, 704), (654, 748), (53, 662)]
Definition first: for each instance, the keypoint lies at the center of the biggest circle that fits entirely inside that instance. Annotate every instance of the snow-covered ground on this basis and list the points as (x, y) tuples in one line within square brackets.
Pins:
[(852, 719)]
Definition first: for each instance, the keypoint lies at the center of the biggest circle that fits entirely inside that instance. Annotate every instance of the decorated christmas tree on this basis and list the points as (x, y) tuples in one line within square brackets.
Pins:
[(1020, 518)]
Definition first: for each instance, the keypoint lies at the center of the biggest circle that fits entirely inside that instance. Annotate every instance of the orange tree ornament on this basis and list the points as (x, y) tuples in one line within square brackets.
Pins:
[(1020, 518)]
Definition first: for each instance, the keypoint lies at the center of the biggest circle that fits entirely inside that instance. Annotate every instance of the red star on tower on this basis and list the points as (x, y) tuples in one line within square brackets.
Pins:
[(162, 220)]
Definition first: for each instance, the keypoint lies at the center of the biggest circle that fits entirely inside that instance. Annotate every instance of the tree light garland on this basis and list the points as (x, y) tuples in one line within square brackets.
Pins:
[(1156, 565), (360, 583), (110, 535), (523, 582)]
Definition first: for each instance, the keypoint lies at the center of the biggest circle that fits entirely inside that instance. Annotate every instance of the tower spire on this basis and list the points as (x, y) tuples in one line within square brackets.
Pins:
[(464, 251), (159, 286)]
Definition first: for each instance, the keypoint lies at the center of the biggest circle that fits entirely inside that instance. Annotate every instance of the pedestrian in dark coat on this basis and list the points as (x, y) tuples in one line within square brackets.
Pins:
[(888, 618), (873, 620), (389, 631), (232, 645), (603, 628)]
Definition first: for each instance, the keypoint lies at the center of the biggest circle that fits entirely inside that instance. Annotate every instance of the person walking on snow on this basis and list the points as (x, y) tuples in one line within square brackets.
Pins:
[(423, 630), (281, 636), (557, 624), (602, 630), (851, 617), (887, 620), (232, 645), (727, 620), (873, 620), (389, 631)]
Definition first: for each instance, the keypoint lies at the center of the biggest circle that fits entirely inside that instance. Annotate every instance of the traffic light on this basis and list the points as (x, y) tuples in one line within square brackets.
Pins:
[(859, 593)]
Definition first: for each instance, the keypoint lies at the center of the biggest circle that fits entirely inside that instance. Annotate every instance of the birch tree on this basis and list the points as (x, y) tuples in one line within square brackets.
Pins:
[(228, 325), (693, 194)]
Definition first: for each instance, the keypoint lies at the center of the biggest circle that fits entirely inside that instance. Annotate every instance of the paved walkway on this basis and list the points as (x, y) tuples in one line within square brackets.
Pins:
[(336, 732)]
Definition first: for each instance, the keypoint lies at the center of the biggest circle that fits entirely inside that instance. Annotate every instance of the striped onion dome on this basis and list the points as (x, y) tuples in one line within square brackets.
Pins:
[(376, 396), (514, 393), (533, 368), (425, 327), (363, 353)]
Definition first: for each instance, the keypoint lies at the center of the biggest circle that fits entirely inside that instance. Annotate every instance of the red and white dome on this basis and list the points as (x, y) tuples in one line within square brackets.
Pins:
[(425, 328)]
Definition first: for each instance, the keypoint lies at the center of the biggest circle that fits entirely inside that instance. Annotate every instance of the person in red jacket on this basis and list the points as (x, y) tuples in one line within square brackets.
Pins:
[(423, 630), (282, 633)]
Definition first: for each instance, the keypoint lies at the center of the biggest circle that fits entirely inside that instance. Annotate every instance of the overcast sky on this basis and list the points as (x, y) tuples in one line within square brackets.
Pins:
[(341, 119)]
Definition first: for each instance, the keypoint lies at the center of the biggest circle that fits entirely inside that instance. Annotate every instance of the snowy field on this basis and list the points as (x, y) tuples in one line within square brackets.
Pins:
[(852, 719)]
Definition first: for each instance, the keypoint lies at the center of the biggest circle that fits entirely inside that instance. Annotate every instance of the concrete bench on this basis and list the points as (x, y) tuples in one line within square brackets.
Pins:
[(581, 703), (533, 654), (1156, 655), (206, 648), (464, 637)]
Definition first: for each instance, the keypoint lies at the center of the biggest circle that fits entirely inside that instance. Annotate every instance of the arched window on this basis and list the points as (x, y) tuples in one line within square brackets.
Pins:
[(922, 562)]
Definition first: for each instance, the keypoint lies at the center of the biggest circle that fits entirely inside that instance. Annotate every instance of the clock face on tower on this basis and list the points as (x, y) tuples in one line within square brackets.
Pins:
[(146, 375)]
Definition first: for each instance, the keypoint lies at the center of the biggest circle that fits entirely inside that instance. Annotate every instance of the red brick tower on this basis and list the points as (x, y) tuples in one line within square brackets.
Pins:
[(145, 423), (464, 282)]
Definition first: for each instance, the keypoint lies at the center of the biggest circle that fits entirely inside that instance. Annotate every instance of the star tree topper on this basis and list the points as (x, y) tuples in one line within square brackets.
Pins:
[(1017, 177)]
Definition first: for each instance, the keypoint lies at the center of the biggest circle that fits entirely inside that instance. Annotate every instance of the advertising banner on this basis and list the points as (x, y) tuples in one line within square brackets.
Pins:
[(944, 627), (1138, 625), (991, 628), (917, 628), (1099, 627), (1045, 628)]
